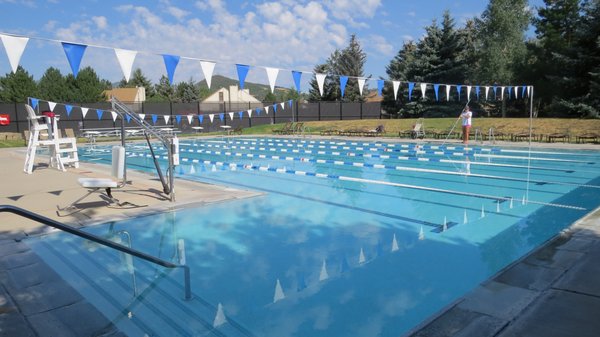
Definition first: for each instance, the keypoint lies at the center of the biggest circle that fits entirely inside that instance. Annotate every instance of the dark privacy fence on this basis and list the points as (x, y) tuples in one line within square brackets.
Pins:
[(299, 112)]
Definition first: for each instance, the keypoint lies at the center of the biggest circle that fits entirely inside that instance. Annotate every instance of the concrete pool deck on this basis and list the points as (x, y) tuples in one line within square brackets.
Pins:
[(554, 291)]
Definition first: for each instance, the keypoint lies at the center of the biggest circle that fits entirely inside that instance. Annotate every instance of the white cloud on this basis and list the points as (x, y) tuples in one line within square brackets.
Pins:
[(100, 21), (178, 13), (412, 14), (381, 45)]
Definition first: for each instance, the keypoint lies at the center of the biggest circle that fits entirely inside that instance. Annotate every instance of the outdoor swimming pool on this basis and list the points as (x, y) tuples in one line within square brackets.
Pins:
[(350, 238)]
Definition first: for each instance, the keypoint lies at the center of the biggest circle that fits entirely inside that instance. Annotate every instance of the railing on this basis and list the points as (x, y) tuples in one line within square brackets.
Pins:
[(102, 241)]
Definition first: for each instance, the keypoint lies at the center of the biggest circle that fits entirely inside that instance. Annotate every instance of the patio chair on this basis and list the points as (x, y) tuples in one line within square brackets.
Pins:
[(285, 129), (238, 130), (106, 184), (379, 130), (418, 130)]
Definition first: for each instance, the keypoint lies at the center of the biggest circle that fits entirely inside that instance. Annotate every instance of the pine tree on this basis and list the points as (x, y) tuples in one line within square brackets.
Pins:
[(186, 92), (17, 86), (138, 79), (86, 87), (165, 92), (53, 86)]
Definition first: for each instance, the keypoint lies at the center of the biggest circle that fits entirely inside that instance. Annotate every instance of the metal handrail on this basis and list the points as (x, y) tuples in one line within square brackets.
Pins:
[(72, 230)]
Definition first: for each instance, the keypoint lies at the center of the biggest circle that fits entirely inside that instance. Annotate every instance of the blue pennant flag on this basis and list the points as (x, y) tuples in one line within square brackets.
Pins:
[(242, 71), (99, 113), (74, 54), (258, 112), (178, 119), (34, 102), (510, 89), (436, 89), (171, 62), (274, 108), (290, 103), (458, 87), (343, 82), (523, 91), (477, 90), (154, 119), (495, 92), (200, 119), (379, 87), (222, 116), (411, 86), (241, 113), (68, 108), (297, 75), (128, 118)]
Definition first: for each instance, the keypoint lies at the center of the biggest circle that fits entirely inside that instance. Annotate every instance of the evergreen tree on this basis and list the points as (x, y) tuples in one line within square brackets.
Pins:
[(53, 86), (138, 79), (330, 86), (165, 92), (17, 86), (270, 97), (186, 92), (86, 87)]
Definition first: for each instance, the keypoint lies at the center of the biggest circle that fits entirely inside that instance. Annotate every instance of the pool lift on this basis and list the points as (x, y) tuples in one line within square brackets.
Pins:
[(171, 143)]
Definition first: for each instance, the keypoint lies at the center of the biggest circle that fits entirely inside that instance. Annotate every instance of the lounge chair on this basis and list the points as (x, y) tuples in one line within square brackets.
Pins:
[(562, 135), (379, 130), (285, 129), (237, 131), (298, 128), (417, 131)]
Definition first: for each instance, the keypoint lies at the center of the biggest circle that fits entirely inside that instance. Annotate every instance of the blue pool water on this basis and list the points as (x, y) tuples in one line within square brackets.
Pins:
[(348, 239)]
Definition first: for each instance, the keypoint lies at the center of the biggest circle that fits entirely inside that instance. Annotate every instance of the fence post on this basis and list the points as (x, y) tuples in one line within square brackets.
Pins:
[(17, 117), (361, 110)]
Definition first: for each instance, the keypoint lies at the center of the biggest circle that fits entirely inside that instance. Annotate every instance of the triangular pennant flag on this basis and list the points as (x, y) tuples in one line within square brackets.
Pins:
[(274, 108), (423, 89), (74, 54), (380, 87), (396, 85), (468, 92), (142, 116), (495, 91), (524, 88), (99, 113), (68, 108), (230, 115), (436, 89), (343, 82), (509, 90), (126, 58), (207, 70), (411, 86), (528, 90), (477, 91), (154, 119), (249, 113), (242, 71), (290, 103), (257, 111), (282, 104), (178, 119), (171, 62), (211, 117), (15, 46), (267, 110), (167, 118), (241, 113), (222, 116), (502, 93), (320, 82), (487, 92), (189, 119), (448, 92), (84, 112), (201, 119), (458, 87), (297, 75), (51, 105), (128, 118), (272, 75), (516, 92), (34, 102), (114, 116), (361, 84)]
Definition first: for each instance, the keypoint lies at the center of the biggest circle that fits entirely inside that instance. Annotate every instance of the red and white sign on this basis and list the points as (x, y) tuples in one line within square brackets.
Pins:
[(4, 119)]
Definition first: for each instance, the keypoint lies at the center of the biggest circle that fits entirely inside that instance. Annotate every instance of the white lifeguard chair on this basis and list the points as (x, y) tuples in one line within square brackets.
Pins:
[(62, 150)]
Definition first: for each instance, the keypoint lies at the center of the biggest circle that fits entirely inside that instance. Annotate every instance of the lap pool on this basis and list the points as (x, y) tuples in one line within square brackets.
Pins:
[(349, 238)]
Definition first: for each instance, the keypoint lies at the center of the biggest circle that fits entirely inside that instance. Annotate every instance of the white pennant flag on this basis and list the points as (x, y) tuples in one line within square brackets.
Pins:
[(142, 116), (423, 88), (189, 118), (211, 117), (51, 105), (166, 117), (448, 92), (230, 115), (396, 85), (361, 84), (249, 112), (267, 109), (282, 104), (84, 112), (487, 91), (502, 93), (516, 92), (207, 70), (272, 75), (321, 82), (14, 49), (114, 116), (126, 58), (468, 92), (528, 90)]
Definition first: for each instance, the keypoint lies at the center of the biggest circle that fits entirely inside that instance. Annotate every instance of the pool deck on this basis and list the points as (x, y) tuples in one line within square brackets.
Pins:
[(554, 291)]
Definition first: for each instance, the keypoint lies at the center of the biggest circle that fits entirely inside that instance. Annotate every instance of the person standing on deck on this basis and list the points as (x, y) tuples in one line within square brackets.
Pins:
[(466, 116)]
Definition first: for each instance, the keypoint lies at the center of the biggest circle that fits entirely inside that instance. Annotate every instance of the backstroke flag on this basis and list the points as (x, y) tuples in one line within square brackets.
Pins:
[(207, 70), (361, 84), (297, 76), (74, 54), (126, 58), (320, 82), (411, 86), (171, 62), (14, 49), (423, 89), (272, 75), (343, 82), (380, 87), (396, 85), (436, 89), (242, 71), (448, 92)]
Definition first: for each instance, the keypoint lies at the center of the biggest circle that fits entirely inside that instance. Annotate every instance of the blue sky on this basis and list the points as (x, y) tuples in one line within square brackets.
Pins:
[(285, 34)]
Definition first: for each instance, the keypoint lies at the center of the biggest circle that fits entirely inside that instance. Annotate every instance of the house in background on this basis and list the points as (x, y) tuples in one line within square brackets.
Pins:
[(231, 95), (127, 95)]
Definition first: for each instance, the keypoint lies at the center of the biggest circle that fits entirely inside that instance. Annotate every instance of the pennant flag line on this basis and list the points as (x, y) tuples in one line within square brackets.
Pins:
[(447, 93), (436, 89), (84, 112), (171, 62), (361, 84), (242, 71), (411, 86), (207, 70), (14, 46), (343, 82), (272, 75), (114, 116), (380, 87), (297, 75), (126, 58), (320, 82), (68, 108), (99, 113), (423, 88), (74, 54), (189, 119), (52, 105), (396, 85)]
